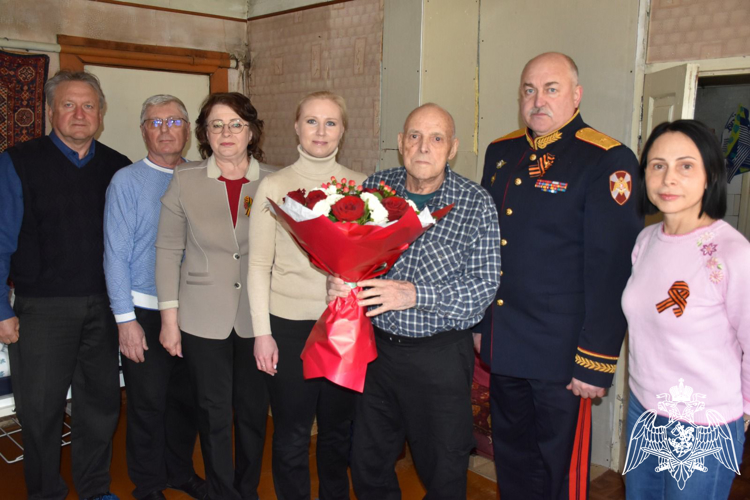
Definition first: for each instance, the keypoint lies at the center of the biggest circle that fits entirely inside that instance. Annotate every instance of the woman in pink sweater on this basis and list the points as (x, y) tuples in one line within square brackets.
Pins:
[(688, 327)]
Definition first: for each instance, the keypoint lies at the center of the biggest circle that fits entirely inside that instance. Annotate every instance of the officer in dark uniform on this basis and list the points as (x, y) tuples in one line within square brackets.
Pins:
[(553, 335)]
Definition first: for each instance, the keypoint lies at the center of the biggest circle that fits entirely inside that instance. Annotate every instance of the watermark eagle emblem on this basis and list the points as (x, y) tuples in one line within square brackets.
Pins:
[(681, 446)]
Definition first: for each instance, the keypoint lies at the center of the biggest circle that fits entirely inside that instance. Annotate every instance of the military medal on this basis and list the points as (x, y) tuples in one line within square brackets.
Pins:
[(501, 163), (551, 186)]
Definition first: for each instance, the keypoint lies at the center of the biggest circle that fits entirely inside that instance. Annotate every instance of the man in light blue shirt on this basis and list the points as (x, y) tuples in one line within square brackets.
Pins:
[(161, 430)]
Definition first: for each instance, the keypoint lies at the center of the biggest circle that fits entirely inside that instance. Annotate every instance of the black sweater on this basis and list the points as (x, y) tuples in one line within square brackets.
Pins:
[(61, 244)]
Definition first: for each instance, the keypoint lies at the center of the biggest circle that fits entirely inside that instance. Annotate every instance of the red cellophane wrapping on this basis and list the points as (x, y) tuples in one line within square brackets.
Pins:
[(342, 341)]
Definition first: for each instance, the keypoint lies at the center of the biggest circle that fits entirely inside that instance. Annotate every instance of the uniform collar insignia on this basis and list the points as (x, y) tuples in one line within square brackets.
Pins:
[(543, 141), (546, 140)]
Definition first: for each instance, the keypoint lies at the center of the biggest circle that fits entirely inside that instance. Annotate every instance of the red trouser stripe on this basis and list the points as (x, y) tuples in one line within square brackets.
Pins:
[(579, 462)]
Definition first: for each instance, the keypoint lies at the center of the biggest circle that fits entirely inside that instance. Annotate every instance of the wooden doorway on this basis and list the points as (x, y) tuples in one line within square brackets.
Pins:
[(76, 52), (130, 73)]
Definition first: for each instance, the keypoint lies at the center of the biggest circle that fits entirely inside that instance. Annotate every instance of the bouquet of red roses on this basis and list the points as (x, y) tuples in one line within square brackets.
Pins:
[(357, 233)]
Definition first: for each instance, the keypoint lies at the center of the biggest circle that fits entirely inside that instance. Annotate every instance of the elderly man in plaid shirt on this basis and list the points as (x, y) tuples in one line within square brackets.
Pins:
[(419, 387)]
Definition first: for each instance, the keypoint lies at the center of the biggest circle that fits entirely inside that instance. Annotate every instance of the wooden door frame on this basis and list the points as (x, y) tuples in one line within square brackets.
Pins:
[(75, 52)]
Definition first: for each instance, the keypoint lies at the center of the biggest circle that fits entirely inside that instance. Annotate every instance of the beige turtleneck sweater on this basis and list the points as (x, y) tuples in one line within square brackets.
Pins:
[(281, 281)]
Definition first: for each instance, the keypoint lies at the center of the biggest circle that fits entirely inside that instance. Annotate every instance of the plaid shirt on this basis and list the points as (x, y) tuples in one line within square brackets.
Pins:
[(454, 266)]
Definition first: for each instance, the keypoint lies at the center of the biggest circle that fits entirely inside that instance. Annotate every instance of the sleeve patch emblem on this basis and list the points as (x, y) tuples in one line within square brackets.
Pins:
[(620, 186)]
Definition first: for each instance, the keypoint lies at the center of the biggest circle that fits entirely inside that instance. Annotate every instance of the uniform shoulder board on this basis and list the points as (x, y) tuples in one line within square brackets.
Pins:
[(513, 135), (596, 138)]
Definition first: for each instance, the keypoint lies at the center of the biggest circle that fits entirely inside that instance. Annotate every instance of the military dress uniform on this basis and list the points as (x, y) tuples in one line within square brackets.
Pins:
[(568, 223)]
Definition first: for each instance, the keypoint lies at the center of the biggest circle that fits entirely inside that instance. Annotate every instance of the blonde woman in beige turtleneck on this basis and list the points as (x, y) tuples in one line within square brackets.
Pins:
[(287, 295)]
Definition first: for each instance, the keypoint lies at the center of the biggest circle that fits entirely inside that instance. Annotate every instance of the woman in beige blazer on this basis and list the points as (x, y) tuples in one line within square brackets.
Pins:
[(201, 281)]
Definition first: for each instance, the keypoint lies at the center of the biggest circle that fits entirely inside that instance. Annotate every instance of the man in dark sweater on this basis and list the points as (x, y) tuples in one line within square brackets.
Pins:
[(60, 330)]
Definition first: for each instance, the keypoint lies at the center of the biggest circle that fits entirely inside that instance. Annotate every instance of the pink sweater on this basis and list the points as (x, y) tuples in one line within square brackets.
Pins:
[(704, 324)]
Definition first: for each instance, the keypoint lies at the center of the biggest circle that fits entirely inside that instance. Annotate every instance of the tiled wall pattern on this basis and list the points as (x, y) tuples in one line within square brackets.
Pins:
[(698, 29), (335, 47)]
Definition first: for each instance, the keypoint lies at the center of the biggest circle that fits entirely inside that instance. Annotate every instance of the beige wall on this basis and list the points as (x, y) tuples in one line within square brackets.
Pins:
[(450, 70), (600, 36), (43, 20), (682, 30), (335, 48), (430, 52), (401, 79)]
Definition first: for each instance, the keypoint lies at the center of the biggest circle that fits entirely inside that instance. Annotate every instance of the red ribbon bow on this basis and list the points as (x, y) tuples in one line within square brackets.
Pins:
[(678, 295)]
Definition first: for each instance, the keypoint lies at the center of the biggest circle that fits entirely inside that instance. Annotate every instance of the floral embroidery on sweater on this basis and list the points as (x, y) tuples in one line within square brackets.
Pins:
[(716, 274), (708, 249), (705, 238)]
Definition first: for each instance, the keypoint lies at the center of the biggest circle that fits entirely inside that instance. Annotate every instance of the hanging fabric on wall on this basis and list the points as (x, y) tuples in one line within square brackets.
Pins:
[(22, 78), (735, 143)]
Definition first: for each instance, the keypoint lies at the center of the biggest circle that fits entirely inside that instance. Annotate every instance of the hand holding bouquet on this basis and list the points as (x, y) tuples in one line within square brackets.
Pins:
[(356, 233)]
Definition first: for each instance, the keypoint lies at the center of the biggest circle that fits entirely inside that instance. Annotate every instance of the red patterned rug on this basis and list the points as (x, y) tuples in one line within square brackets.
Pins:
[(22, 80)]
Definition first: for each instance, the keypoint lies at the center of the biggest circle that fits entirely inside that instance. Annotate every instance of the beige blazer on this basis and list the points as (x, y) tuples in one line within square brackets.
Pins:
[(209, 285)]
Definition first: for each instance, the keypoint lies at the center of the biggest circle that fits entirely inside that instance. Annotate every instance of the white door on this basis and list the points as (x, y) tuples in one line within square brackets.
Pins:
[(668, 95), (126, 89)]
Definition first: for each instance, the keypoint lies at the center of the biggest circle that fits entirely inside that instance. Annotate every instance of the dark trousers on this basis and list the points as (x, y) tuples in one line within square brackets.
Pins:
[(418, 390), (294, 403), (64, 341), (533, 430), (224, 377), (161, 414)]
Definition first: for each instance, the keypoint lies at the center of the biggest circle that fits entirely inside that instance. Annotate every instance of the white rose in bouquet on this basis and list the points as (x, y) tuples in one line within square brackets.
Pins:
[(378, 213)]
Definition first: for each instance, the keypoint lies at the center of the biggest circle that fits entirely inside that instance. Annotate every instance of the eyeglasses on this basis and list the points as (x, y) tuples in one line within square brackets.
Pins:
[(156, 123), (235, 126)]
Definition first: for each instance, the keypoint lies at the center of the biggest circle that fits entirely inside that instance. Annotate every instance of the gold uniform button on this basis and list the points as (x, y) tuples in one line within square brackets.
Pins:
[(500, 302), (518, 181), (508, 211), (532, 157), (501, 273), (503, 242)]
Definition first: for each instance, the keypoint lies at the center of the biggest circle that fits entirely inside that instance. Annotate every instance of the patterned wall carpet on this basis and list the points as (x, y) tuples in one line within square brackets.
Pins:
[(22, 80)]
